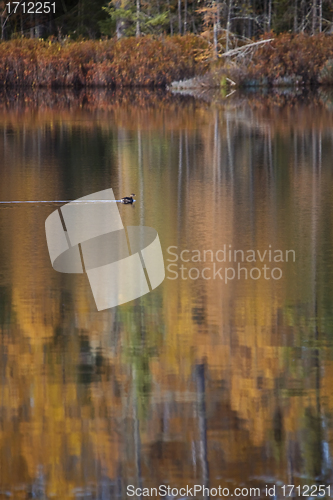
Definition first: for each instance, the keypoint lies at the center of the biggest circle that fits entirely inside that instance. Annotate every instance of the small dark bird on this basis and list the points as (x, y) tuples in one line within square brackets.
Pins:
[(128, 199)]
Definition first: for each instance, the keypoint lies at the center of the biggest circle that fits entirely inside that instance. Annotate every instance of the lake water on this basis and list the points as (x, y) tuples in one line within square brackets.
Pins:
[(221, 376)]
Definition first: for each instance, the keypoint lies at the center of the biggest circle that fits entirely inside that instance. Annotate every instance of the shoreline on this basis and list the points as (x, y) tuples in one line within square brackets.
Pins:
[(149, 62), (173, 62)]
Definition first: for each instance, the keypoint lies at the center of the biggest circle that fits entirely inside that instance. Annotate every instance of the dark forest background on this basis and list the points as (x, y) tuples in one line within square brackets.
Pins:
[(246, 19)]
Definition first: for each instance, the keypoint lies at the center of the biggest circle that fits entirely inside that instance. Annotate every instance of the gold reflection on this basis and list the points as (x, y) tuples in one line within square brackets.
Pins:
[(200, 380)]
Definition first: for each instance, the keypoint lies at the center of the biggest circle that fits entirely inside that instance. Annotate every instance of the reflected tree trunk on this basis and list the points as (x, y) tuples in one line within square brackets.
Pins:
[(187, 158), (180, 175), (320, 152), (270, 154), (217, 148), (314, 259), (141, 181), (201, 401), (290, 448), (137, 438), (295, 154), (315, 435), (230, 152), (251, 185)]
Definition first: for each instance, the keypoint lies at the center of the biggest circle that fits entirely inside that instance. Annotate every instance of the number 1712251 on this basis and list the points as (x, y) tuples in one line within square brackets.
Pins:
[(313, 490), (31, 7)]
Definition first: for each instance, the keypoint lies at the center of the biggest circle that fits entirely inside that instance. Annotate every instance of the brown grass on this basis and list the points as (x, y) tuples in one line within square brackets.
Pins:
[(299, 60), (143, 62)]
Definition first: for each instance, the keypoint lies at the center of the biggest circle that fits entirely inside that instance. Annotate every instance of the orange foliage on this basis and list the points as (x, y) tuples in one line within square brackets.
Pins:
[(147, 61), (288, 59)]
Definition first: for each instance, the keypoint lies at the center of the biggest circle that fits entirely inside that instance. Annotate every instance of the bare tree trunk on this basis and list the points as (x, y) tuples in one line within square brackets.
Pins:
[(37, 27), (218, 24), (79, 11), (64, 5), (266, 14), (249, 33), (120, 23), (314, 16), (269, 15), (180, 17), (194, 8), (185, 17), (215, 30), (137, 34), (215, 39), (228, 25), (119, 28), (4, 20), (171, 25), (3, 28), (32, 28), (295, 17), (320, 15), (303, 13)]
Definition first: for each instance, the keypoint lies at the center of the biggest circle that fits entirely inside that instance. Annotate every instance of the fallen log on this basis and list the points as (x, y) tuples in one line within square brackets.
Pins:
[(245, 47)]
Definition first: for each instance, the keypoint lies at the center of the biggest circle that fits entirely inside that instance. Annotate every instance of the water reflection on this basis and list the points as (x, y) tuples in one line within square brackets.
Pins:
[(199, 382)]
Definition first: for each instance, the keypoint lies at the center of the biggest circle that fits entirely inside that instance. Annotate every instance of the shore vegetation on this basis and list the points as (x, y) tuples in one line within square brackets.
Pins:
[(148, 43)]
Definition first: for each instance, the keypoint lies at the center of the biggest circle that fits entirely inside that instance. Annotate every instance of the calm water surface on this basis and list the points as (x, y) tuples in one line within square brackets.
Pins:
[(201, 381)]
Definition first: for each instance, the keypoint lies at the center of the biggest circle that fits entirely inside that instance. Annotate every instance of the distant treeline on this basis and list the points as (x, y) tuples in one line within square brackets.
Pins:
[(93, 19)]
